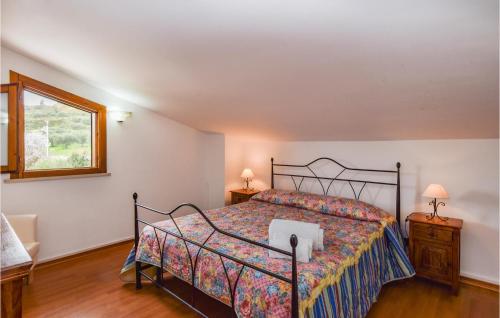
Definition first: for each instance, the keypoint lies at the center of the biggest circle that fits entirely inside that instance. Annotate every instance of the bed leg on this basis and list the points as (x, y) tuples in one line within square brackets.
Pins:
[(159, 275), (295, 293), (138, 281)]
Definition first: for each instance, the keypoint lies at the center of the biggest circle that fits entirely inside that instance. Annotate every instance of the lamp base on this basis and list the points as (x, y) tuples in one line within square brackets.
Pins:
[(433, 215), (435, 204)]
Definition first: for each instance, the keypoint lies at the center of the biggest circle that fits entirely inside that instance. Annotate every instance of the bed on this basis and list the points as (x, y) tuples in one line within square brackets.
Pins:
[(224, 252)]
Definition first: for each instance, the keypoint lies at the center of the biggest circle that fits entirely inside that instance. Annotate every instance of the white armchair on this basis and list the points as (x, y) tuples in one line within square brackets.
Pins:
[(25, 226)]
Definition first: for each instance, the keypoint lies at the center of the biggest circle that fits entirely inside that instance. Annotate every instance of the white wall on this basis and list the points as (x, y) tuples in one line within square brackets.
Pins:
[(468, 169), (159, 158), (213, 168)]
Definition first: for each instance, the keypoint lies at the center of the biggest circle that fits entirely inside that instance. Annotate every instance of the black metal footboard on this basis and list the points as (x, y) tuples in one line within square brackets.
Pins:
[(193, 265)]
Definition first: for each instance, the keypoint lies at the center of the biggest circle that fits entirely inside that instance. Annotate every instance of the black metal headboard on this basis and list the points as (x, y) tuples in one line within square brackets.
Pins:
[(338, 178)]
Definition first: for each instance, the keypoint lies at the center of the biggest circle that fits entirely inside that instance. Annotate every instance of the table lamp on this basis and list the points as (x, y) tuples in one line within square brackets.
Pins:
[(247, 174), (435, 191)]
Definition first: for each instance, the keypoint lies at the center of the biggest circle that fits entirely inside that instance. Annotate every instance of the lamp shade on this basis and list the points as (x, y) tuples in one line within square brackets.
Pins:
[(435, 191), (247, 173)]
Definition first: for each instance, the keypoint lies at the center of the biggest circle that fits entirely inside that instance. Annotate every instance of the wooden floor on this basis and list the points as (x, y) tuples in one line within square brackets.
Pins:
[(89, 287)]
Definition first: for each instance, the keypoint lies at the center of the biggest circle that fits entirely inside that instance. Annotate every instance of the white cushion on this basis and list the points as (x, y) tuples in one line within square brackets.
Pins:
[(25, 226)]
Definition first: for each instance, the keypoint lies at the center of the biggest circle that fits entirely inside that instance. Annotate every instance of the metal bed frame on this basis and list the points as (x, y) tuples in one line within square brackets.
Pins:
[(159, 280)]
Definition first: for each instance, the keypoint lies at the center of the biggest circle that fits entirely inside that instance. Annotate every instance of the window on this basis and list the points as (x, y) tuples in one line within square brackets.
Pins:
[(8, 127), (59, 133)]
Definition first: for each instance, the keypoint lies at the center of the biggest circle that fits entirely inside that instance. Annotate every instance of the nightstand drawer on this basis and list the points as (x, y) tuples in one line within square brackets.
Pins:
[(238, 198), (242, 195), (430, 232)]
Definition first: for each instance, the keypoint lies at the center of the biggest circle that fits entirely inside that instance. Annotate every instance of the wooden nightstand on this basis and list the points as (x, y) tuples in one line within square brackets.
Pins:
[(242, 195), (435, 248)]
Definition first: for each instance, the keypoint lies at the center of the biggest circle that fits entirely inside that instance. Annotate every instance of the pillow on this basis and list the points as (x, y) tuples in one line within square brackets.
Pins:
[(338, 206)]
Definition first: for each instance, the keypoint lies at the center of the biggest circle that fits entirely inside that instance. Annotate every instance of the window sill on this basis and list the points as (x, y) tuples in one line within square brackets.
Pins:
[(78, 176)]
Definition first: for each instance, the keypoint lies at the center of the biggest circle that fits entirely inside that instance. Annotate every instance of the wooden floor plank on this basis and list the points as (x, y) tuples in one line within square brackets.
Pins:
[(89, 286)]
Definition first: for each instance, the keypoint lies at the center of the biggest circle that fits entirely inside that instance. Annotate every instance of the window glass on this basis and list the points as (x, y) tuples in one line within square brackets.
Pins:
[(4, 127), (57, 135)]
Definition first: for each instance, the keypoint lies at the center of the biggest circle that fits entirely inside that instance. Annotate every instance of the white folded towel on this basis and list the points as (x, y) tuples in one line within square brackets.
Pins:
[(302, 229), (282, 241), (320, 246)]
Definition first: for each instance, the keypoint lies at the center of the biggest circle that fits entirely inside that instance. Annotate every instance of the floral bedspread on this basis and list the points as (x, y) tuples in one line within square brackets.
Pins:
[(257, 294)]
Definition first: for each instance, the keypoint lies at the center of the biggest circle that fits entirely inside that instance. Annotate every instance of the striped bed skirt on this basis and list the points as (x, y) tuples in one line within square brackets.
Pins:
[(360, 284)]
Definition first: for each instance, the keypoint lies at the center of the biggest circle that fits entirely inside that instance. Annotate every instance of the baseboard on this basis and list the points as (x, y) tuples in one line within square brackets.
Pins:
[(479, 283), (483, 278), (72, 255)]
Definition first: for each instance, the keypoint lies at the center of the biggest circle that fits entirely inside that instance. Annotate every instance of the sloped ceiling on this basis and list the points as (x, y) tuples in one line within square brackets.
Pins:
[(289, 70)]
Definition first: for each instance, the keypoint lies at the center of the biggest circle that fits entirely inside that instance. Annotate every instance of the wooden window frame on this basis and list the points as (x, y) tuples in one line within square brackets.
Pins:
[(12, 97), (99, 151)]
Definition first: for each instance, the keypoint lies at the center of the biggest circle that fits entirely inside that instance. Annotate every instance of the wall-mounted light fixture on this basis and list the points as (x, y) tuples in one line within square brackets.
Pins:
[(119, 115)]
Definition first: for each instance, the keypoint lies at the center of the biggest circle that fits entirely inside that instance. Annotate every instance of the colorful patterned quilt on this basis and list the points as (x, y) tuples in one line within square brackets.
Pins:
[(362, 252)]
